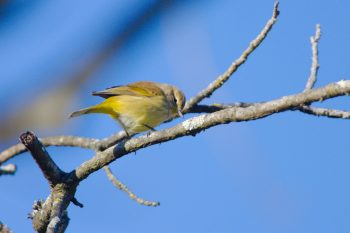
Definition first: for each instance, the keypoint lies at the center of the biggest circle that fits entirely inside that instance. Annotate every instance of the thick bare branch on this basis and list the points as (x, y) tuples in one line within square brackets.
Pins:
[(314, 65), (58, 225), (40, 215), (46, 219), (62, 195), (217, 107), (117, 183), (325, 112), (236, 64), (100, 145), (50, 170), (51, 215), (197, 124)]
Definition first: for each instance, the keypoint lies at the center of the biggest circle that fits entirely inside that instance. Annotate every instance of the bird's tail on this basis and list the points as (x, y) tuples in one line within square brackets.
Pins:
[(83, 111)]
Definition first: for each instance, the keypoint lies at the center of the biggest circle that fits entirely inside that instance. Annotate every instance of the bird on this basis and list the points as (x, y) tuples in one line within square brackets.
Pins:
[(138, 106)]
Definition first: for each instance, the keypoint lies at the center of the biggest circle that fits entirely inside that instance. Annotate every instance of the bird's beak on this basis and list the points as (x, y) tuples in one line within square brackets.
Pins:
[(180, 113)]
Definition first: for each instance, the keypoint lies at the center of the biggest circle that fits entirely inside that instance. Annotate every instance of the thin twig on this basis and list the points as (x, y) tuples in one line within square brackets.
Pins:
[(315, 64), (72, 141), (117, 183), (9, 169), (11, 152), (110, 141), (207, 92), (331, 113), (77, 203)]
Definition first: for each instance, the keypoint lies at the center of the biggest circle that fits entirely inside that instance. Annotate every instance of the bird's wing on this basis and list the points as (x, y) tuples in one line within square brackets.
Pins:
[(147, 89)]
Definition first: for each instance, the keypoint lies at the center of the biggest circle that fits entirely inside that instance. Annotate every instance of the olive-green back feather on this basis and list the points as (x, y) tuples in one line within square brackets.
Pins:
[(144, 89)]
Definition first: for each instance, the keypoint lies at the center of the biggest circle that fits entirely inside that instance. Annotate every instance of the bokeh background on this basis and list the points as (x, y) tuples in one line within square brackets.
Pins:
[(285, 173)]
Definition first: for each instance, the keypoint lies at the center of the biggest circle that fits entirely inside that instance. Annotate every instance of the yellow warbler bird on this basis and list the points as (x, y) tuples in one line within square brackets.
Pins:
[(139, 106)]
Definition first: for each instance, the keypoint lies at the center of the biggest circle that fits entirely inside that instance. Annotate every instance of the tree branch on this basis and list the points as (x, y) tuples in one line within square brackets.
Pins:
[(103, 144), (117, 183), (51, 215), (4, 228), (197, 124), (314, 65), (111, 141), (236, 64), (100, 145), (50, 170), (9, 169), (325, 112), (331, 113), (40, 214), (217, 107), (74, 141)]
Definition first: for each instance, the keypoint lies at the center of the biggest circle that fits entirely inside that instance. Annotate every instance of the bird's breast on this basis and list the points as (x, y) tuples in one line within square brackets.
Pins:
[(137, 114)]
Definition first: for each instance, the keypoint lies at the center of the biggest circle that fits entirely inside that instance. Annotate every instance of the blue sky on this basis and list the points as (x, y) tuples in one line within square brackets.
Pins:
[(285, 173)]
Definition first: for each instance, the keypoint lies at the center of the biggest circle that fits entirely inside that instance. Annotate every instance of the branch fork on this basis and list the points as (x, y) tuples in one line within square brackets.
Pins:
[(51, 215)]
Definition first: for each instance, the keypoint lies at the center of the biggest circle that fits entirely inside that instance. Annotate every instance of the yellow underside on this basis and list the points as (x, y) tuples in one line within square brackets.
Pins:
[(136, 114)]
